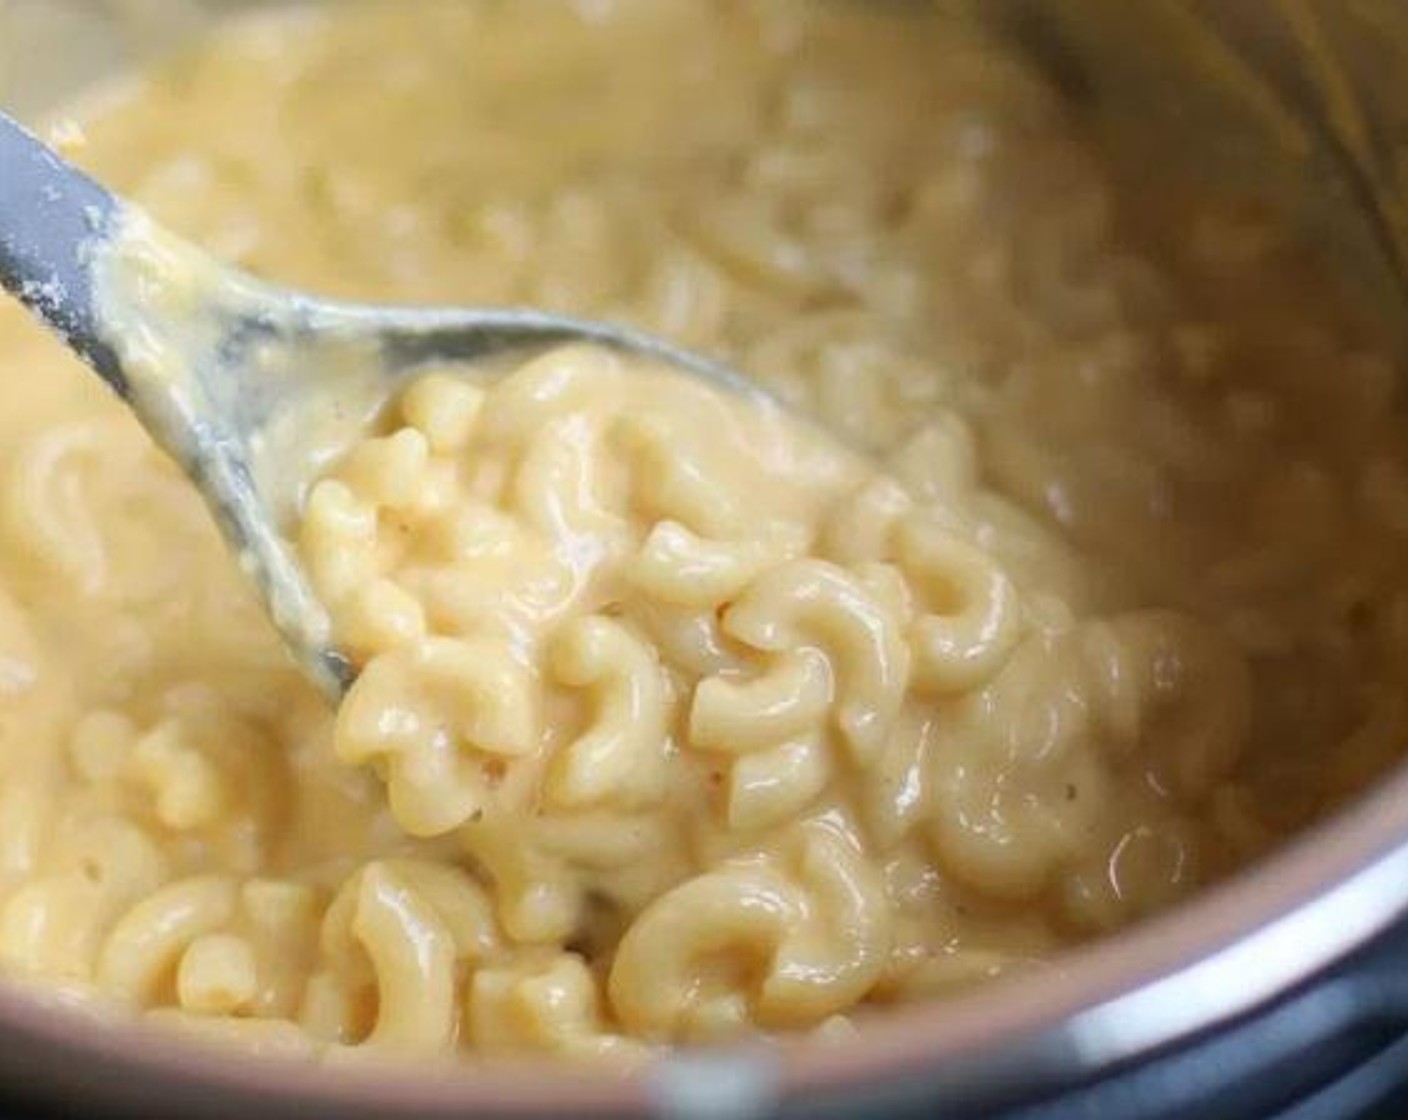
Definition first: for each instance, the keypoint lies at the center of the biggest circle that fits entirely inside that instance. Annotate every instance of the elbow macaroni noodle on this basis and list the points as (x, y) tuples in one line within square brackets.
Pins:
[(679, 718)]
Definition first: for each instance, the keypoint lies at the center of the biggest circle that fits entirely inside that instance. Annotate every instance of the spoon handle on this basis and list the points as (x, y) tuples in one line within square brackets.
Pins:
[(51, 215)]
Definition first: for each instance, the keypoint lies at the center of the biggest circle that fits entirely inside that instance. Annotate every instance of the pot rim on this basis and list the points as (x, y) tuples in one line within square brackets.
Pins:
[(1304, 907)]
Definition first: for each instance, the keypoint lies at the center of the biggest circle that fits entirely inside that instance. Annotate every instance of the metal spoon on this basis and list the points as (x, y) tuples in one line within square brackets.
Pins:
[(211, 360)]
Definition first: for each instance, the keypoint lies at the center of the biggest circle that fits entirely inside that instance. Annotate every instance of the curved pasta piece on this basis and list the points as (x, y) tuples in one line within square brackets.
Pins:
[(833, 959), (26, 807), (862, 527), (1020, 779), (1050, 569), (893, 794), (739, 716), (813, 603), (146, 943), (560, 488), (1138, 870), (201, 769), (459, 899), (338, 540), (217, 975), (1177, 688), (938, 465), (1040, 707), (678, 567), (1015, 781), (48, 507), (672, 476), (280, 921), (564, 380), (187, 790), (444, 408), (539, 897), (399, 930), (377, 616), (773, 725), (544, 868), (111, 851), (388, 472), (61, 493), (685, 581), (753, 241), (684, 298), (692, 643), (474, 529), (1008, 832), (502, 597), (413, 955), (443, 717), (26, 676), (847, 367), (549, 1005), (621, 757), (52, 927), (781, 941), (887, 586), (971, 617), (770, 786)]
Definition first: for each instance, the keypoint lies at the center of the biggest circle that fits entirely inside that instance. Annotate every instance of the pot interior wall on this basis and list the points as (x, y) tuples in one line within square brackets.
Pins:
[(1303, 102)]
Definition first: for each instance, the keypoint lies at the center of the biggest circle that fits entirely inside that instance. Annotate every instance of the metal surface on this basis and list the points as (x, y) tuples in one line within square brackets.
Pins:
[(46, 214), (1304, 100), (1309, 100)]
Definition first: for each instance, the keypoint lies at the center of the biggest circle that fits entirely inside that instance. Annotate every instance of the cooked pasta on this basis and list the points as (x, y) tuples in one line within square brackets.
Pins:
[(1064, 570)]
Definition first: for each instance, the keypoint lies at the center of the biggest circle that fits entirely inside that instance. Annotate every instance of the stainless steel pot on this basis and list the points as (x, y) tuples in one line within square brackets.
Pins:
[(1306, 98)]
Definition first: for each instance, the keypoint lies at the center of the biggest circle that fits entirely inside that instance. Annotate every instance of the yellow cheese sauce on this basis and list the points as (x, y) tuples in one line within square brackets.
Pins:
[(677, 721)]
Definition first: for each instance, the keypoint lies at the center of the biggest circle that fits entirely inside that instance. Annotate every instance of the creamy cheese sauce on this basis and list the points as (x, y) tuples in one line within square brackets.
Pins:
[(673, 724)]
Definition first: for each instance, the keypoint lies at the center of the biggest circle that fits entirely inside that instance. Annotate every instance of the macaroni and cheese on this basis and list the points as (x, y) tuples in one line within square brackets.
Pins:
[(1070, 575)]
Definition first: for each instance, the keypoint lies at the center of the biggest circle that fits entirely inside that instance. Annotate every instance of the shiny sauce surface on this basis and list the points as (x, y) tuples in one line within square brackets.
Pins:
[(674, 723)]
